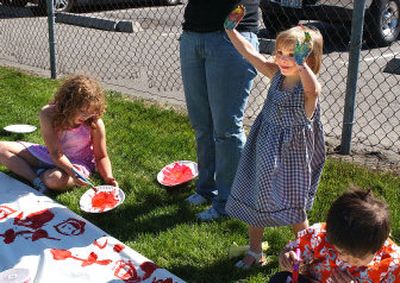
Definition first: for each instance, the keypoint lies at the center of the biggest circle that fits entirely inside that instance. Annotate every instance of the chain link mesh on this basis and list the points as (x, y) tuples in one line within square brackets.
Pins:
[(145, 61)]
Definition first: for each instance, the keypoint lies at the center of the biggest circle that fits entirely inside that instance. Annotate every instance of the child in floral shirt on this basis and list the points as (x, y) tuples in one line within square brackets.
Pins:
[(353, 245)]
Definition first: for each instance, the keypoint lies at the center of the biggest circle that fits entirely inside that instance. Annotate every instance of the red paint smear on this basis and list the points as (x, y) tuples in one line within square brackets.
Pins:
[(148, 267), (34, 220), (179, 173), (104, 200), (118, 248), (126, 271), (92, 258), (60, 254), (99, 245), (5, 211), (78, 225)]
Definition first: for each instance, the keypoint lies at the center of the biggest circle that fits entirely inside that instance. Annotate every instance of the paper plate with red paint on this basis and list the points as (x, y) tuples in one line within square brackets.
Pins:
[(177, 173), (104, 199)]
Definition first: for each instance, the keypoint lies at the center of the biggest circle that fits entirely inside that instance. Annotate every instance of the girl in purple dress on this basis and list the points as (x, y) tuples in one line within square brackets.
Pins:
[(74, 136)]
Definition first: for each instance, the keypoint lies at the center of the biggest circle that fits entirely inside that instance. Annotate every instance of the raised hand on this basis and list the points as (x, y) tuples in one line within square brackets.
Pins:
[(234, 18), (302, 49)]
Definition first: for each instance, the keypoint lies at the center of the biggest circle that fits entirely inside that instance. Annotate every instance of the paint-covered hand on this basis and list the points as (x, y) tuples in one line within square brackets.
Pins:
[(302, 49), (111, 181), (234, 18)]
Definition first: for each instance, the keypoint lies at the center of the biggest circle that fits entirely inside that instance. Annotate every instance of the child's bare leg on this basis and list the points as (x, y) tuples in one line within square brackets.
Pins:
[(299, 226), (18, 159), (255, 238), (57, 180)]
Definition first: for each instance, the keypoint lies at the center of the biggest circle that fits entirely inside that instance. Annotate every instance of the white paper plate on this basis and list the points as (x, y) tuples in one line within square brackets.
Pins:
[(20, 128), (177, 173), (106, 198)]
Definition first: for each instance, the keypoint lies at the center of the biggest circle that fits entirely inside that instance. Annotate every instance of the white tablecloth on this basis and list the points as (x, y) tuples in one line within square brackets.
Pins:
[(56, 245)]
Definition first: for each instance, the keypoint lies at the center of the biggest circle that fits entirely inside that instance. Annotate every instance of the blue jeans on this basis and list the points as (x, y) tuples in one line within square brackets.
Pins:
[(217, 82)]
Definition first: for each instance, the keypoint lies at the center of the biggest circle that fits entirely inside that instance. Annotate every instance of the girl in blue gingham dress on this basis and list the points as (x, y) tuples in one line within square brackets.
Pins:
[(282, 161)]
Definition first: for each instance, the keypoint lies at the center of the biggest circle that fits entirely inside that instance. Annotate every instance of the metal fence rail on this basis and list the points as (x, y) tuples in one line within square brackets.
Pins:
[(142, 58)]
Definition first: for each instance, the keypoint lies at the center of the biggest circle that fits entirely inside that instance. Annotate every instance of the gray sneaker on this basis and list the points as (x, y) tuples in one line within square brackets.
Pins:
[(196, 199)]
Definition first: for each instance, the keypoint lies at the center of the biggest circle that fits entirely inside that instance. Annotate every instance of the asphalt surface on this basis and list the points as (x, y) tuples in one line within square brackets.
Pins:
[(145, 63)]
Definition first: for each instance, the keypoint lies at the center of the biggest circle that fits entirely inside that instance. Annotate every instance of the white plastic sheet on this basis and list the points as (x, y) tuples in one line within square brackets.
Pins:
[(57, 245)]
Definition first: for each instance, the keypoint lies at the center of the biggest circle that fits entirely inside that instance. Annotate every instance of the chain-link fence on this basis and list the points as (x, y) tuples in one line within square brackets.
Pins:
[(132, 46)]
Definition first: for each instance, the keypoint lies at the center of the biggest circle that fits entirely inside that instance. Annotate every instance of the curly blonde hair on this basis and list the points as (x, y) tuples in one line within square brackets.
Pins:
[(78, 93), (287, 39)]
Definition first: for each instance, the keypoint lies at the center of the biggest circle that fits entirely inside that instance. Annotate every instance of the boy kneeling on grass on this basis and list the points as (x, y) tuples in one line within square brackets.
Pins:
[(353, 245)]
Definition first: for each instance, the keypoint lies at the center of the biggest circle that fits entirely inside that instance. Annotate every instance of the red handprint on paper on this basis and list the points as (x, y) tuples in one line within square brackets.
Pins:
[(60, 254)]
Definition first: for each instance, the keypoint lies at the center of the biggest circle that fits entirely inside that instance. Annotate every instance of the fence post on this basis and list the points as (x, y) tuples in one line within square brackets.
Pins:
[(52, 37), (357, 23)]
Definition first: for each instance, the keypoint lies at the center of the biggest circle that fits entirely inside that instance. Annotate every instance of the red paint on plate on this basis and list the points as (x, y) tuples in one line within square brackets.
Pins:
[(104, 200), (178, 173)]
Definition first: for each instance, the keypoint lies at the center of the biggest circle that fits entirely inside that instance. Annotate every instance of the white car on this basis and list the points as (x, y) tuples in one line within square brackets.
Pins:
[(68, 5)]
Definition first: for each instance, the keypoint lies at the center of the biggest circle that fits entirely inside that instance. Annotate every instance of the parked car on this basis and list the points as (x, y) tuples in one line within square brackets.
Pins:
[(381, 26), (68, 5)]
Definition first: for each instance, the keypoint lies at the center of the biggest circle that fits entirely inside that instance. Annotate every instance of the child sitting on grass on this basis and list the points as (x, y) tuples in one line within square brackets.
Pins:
[(353, 245), (74, 136)]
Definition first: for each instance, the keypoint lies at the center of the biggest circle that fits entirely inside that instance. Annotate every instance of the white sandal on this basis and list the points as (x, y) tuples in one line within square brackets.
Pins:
[(257, 256)]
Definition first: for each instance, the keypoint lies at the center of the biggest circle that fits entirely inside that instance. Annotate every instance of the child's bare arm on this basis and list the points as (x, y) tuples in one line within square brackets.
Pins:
[(251, 54), (309, 80), (103, 162), (311, 86)]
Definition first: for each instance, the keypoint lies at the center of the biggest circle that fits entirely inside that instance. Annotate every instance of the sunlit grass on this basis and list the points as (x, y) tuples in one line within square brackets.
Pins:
[(156, 221)]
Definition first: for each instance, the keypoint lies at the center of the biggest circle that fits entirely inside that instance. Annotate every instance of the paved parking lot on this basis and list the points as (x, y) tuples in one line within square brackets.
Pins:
[(146, 63)]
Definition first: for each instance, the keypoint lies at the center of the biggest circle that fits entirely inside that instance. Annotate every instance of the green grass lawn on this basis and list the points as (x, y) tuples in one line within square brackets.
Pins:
[(154, 220)]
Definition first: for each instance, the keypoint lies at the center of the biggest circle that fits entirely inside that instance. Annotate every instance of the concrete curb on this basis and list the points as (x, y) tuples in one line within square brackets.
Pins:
[(98, 23)]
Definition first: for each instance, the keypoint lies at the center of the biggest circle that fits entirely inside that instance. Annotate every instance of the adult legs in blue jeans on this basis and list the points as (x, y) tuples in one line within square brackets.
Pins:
[(217, 82)]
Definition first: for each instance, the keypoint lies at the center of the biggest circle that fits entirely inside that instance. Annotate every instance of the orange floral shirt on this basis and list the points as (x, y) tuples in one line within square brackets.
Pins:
[(321, 259)]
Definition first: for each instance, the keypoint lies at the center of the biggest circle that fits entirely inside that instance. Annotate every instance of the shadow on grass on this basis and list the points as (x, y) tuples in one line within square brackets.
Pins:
[(147, 215), (212, 273), (13, 136)]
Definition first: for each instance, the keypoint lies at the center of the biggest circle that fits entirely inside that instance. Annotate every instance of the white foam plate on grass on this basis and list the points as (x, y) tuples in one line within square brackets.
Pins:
[(20, 128), (104, 199), (177, 173)]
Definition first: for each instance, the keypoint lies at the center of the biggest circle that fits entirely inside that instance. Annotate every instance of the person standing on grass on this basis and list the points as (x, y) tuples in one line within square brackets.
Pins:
[(217, 82), (352, 246), (282, 161), (74, 134)]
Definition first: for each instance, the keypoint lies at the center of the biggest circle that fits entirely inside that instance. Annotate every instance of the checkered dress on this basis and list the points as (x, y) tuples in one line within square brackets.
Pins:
[(281, 164)]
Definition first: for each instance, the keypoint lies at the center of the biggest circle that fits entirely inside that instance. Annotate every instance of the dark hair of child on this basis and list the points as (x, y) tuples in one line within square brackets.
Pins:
[(358, 223)]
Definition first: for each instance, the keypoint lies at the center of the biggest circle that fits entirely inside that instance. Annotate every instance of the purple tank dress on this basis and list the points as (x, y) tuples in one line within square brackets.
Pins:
[(76, 144)]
